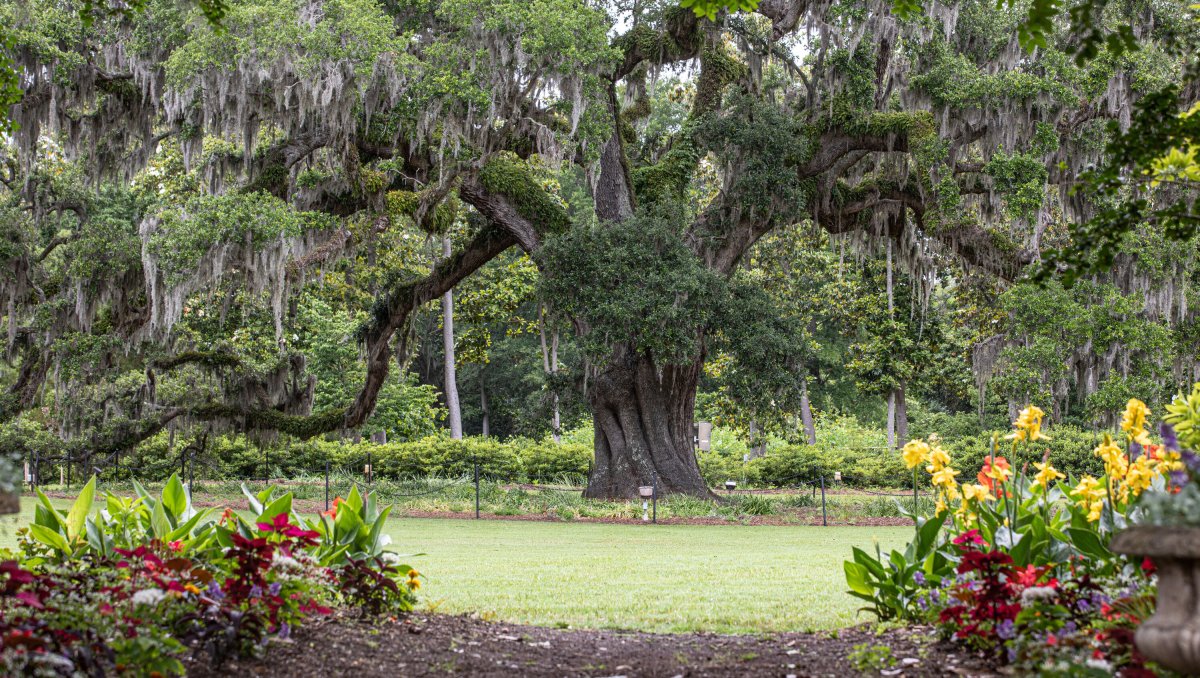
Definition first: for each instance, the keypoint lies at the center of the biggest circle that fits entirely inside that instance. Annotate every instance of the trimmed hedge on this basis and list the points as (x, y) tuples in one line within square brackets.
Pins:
[(239, 458)]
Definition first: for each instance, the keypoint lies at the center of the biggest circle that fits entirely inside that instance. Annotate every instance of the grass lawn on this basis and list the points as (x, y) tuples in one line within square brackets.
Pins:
[(724, 578)]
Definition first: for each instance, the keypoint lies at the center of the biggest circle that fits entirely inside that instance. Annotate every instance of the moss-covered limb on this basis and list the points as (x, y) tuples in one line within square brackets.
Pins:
[(678, 40), (510, 178), (301, 426), (431, 214), (888, 205), (669, 177), (22, 394), (392, 310), (209, 359), (878, 132)]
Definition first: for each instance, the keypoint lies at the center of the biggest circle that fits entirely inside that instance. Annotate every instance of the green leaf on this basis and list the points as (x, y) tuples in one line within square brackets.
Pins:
[(373, 545), (50, 538), (174, 498), (857, 578), (80, 510), (281, 505), (256, 506), (160, 527), (1088, 543), (50, 513), (354, 500)]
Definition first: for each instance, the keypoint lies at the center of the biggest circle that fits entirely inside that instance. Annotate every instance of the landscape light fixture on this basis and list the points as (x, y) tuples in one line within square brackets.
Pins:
[(730, 485), (645, 492)]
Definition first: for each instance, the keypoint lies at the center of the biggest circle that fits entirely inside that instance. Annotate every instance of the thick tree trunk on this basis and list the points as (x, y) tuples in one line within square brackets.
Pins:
[(901, 417), (643, 421), (806, 416), (455, 411)]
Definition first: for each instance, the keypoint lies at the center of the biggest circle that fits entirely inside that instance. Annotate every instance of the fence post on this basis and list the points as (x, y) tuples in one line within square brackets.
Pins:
[(824, 515), (370, 470), (326, 484), (34, 477), (654, 496), (476, 489)]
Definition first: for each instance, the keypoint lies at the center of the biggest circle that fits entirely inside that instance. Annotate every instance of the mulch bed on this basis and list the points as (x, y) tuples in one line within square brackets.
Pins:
[(436, 645)]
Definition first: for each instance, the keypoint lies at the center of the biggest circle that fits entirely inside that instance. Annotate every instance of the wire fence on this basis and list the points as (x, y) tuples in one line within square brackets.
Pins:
[(334, 478)]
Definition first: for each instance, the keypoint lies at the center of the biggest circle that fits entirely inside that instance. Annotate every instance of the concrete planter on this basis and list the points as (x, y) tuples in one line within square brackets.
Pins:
[(1171, 636)]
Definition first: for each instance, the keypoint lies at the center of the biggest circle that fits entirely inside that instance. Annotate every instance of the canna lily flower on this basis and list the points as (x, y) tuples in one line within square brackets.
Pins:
[(1090, 497), (332, 513), (944, 478), (995, 472), (1046, 474), (1115, 462), (976, 493), (1028, 425), (1133, 421), (938, 459), (914, 453), (1141, 473)]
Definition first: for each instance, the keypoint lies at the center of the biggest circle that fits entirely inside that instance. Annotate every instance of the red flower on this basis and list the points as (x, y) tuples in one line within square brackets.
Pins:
[(969, 537), (990, 483), (176, 545), (1148, 567), (1052, 639)]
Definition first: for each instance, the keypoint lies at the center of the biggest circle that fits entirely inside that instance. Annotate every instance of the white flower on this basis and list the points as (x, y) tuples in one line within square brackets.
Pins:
[(148, 597), (1034, 594), (284, 562), (1099, 664), (390, 558)]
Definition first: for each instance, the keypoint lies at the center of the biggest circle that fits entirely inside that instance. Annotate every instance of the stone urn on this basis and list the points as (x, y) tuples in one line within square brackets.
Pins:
[(1171, 637)]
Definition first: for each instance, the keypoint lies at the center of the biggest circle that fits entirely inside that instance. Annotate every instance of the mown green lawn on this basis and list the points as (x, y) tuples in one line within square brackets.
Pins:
[(725, 578)]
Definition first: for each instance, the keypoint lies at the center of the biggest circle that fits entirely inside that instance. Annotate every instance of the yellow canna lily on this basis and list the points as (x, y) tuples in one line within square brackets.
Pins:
[(1133, 421), (944, 478), (1028, 425), (976, 493), (938, 459), (915, 452), (1046, 474)]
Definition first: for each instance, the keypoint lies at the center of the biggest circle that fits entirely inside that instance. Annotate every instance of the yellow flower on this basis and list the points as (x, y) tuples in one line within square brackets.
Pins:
[(1028, 425), (1046, 474), (938, 459), (191, 588), (1133, 421), (1137, 480), (915, 452), (944, 478), (1115, 463), (940, 508), (1089, 495), (1169, 461), (976, 493)]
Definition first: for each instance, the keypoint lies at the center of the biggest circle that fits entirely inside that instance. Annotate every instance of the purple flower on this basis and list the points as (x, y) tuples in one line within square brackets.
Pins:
[(215, 591), (919, 578), (1191, 460), (285, 631), (1179, 478), (1005, 630), (935, 597), (923, 603), (1170, 440), (1083, 605), (273, 589), (256, 591), (1070, 628)]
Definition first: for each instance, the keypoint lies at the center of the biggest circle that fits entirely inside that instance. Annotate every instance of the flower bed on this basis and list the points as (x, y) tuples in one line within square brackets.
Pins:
[(141, 583), (1017, 563)]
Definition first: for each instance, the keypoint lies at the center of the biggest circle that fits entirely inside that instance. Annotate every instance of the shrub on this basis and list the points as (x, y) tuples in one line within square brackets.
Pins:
[(548, 461)]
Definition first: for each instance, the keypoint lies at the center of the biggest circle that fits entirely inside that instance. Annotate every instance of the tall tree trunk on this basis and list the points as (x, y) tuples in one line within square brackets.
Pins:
[(901, 416), (643, 425), (758, 441), (550, 366), (806, 416), (891, 420), (452, 405), (483, 408)]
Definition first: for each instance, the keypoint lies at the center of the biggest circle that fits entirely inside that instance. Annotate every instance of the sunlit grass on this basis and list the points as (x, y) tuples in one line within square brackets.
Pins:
[(724, 578)]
